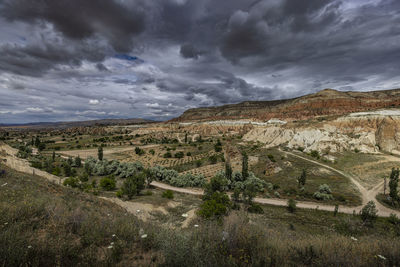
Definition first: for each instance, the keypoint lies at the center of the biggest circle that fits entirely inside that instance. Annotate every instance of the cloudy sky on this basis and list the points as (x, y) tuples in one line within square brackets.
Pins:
[(86, 59)]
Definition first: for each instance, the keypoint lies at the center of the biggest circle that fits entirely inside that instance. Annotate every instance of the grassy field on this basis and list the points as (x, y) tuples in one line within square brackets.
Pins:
[(286, 184)]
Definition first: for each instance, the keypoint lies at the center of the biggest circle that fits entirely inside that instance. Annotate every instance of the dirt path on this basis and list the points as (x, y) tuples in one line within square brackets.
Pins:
[(366, 195), (22, 165), (8, 153)]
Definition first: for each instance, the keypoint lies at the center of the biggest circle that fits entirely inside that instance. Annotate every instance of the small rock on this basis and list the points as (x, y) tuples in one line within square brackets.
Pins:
[(185, 215)]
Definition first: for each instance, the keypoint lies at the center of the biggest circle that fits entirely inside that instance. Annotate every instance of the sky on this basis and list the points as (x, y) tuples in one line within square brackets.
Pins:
[(70, 60)]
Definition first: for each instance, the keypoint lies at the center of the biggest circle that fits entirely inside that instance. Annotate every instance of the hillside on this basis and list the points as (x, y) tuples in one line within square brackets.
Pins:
[(323, 103)]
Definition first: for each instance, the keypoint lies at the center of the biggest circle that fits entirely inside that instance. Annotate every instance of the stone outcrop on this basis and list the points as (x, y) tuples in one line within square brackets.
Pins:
[(368, 134)]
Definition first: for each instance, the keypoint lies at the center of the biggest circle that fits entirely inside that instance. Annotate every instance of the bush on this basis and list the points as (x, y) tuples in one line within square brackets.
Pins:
[(139, 151), (271, 158), (107, 183), (179, 155), (213, 159), (167, 155), (71, 182), (314, 154), (291, 205), (324, 193), (133, 185), (84, 177), (188, 154), (119, 194), (217, 206), (168, 194), (393, 219), (255, 208), (369, 213)]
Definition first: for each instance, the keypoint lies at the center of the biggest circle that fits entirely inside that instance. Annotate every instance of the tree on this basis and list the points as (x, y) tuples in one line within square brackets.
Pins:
[(67, 169), (245, 166), (291, 205), (54, 156), (186, 138), (228, 170), (78, 161), (393, 183), (107, 183), (100, 153), (41, 146), (369, 213), (70, 161), (216, 206), (218, 146), (302, 179), (133, 185), (335, 212), (37, 141)]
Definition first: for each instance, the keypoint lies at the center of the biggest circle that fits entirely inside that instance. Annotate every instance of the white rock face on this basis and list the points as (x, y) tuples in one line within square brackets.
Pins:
[(326, 138)]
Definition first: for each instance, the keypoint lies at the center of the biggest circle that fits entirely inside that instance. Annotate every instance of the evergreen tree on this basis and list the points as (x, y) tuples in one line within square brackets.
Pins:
[(228, 170), (78, 161), (37, 141), (393, 182), (100, 153), (302, 179), (186, 138), (245, 166), (54, 156), (67, 170)]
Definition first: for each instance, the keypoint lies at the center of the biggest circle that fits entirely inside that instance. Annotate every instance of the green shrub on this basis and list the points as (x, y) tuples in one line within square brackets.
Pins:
[(71, 182), (139, 151), (255, 208), (324, 193), (133, 185), (119, 194), (291, 205), (168, 194), (315, 154), (107, 183), (216, 206), (84, 177), (167, 155), (369, 213), (271, 158), (179, 155)]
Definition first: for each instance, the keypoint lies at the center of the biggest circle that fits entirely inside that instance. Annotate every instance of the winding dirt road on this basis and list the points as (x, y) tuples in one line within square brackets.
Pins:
[(9, 154)]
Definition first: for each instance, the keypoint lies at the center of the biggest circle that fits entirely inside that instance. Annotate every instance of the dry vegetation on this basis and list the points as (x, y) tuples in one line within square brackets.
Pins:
[(48, 225)]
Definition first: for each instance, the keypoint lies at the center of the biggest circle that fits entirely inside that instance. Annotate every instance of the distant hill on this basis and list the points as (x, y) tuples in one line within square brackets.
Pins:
[(322, 103), (69, 124)]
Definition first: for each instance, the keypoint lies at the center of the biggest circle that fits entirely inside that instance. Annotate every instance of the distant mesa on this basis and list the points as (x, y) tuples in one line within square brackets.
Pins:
[(327, 102)]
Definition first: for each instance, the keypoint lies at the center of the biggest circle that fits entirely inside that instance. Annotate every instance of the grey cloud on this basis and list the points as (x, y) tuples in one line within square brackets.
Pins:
[(243, 50), (80, 19), (189, 51)]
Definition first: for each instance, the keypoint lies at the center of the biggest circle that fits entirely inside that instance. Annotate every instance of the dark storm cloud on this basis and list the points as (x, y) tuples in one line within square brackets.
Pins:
[(35, 59), (80, 19), (160, 57), (189, 51)]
